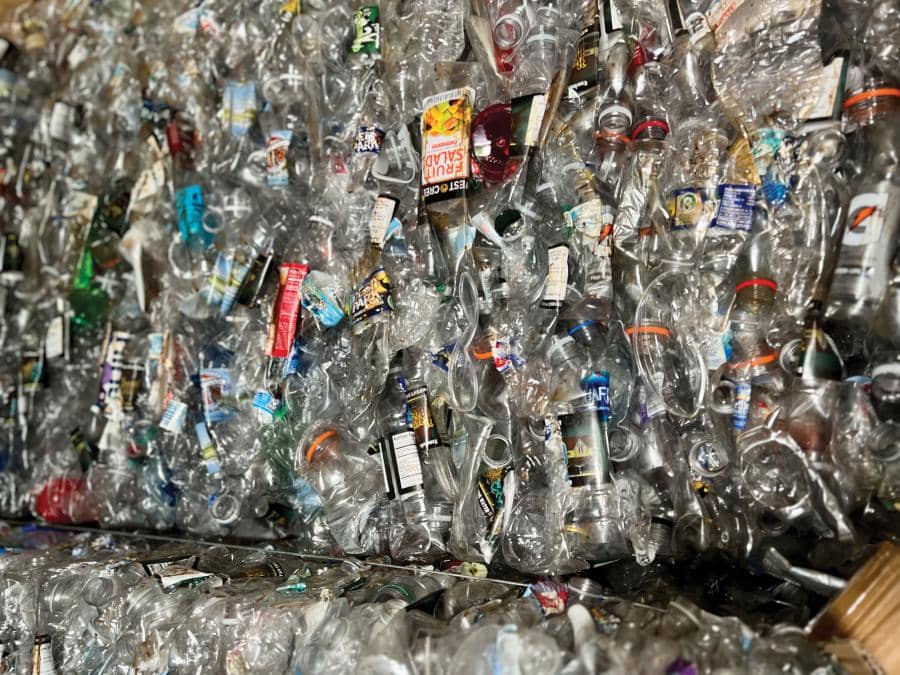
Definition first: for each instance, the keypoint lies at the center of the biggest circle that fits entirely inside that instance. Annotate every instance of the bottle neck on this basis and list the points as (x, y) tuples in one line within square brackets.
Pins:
[(873, 107)]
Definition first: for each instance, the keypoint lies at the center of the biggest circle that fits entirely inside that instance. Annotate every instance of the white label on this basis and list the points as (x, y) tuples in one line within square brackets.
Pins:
[(557, 274), (175, 575), (45, 656), (827, 91), (55, 344), (154, 567), (588, 219), (714, 353), (697, 26), (406, 457), (535, 118), (150, 182), (174, 416), (78, 54), (4, 45), (62, 119), (381, 218), (865, 218)]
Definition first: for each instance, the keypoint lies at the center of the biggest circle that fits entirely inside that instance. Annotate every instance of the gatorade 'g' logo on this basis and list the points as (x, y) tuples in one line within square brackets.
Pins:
[(865, 218), (860, 216)]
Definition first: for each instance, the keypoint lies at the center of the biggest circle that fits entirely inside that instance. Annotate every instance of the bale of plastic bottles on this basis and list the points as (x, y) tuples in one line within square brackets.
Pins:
[(541, 285)]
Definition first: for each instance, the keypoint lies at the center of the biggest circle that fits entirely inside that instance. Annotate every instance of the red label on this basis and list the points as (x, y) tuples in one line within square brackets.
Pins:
[(287, 307)]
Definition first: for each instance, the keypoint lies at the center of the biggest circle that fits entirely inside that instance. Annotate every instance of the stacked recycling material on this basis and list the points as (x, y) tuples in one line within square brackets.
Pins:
[(537, 284), (95, 605)]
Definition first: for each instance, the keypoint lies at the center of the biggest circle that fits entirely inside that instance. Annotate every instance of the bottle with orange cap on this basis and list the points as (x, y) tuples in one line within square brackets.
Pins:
[(873, 221)]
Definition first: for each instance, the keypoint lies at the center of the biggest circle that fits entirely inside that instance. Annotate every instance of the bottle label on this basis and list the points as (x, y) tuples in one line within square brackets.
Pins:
[(441, 358), (292, 362), (190, 207), (422, 422), (585, 66), (152, 179), (239, 106), (57, 341), (175, 576), (113, 206), (277, 158), (688, 208), (827, 90), (697, 25), (216, 386), (131, 384), (174, 417), (596, 389), (154, 566), (367, 31), (445, 144), (490, 491), (239, 272), (255, 279), (324, 309), (42, 656), (372, 299), (85, 452), (267, 406), (62, 122), (208, 450), (506, 354), (593, 221), (717, 351), (401, 466), (368, 140), (707, 460), (381, 218), (742, 392), (582, 438), (527, 117), (865, 219), (735, 207), (12, 260), (218, 279), (557, 277), (109, 398), (283, 324)]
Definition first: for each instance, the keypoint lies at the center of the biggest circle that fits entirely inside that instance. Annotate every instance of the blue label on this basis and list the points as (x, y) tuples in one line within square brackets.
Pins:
[(368, 139), (735, 210), (741, 405), (190, 207), (596, 388), (317, 302), (266, 403), (292, 362), (441, 358)]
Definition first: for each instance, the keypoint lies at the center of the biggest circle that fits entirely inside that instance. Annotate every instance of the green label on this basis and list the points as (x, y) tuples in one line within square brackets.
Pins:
[(367, 29)]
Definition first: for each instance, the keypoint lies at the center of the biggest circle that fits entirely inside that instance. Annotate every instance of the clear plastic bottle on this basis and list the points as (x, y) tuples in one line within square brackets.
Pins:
[(870, 236), (582, 394), (347, 480)]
